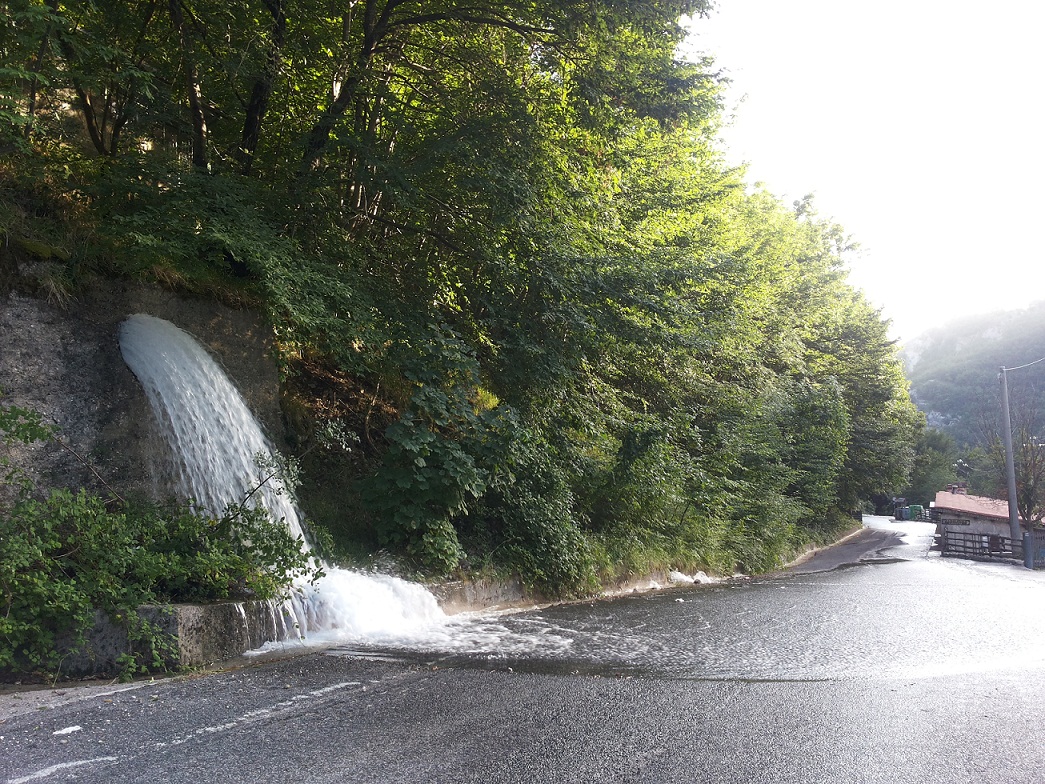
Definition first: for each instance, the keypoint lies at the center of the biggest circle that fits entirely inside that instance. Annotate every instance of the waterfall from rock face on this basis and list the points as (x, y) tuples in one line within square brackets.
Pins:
[(214, 438), (216, 442)]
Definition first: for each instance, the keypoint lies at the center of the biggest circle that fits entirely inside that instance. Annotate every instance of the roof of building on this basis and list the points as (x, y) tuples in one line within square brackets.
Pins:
[(972, 504)]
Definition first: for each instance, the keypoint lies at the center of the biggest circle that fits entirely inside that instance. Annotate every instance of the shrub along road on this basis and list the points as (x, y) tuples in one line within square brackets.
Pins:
[(904, 668)]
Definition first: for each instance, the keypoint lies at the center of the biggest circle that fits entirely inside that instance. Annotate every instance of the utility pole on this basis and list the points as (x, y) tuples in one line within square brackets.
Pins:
[(1010, 471), (1010, 463)]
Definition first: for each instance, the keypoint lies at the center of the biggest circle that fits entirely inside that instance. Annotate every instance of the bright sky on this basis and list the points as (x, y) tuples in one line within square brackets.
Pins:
[(919, 125)]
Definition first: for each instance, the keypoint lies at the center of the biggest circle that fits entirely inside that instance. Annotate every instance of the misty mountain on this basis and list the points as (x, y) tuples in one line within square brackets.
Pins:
[(954, 370)]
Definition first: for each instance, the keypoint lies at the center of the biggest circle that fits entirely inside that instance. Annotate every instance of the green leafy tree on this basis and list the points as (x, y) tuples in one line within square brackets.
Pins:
[(500, 235), (935, 466)]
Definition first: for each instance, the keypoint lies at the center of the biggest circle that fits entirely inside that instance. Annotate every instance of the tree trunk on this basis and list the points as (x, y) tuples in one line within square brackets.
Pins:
[(375, 26), (35, 69), (261, 93), (195, 94)]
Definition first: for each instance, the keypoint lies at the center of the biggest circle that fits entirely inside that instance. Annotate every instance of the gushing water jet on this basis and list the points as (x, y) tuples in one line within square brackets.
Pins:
[(215, 444)]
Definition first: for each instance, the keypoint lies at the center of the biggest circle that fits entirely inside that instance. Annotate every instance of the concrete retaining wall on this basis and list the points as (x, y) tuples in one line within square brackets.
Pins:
[(201, 635)]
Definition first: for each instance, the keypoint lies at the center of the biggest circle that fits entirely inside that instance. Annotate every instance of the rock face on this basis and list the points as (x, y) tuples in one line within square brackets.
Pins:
[(66, 364)]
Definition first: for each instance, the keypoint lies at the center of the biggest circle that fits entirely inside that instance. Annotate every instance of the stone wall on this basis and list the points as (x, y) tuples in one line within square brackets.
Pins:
[(66, 364), (200, 635)]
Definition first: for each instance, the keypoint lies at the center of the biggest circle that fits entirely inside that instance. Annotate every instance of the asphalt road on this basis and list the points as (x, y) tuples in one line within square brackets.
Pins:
[(895, 667)]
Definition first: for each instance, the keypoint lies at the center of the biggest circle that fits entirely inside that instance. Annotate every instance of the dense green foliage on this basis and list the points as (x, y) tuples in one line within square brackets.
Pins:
[(68, 555), (497, 241)]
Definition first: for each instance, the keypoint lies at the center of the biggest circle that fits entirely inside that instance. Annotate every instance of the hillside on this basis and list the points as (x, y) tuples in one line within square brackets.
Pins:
[(954, 370), (527, 319)]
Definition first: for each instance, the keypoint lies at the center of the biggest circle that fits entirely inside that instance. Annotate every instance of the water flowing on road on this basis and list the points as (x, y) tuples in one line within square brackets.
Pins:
[(903, 668), (898, 612)]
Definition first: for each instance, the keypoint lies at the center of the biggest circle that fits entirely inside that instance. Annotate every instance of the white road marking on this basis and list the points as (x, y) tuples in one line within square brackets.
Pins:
[(42, 774)]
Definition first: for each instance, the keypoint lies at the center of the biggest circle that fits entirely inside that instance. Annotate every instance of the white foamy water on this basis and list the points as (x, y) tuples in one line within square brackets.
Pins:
[(214, 440)]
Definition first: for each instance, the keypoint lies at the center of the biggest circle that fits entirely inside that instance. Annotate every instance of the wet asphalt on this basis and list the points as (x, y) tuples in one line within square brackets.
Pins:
[(893, 665)]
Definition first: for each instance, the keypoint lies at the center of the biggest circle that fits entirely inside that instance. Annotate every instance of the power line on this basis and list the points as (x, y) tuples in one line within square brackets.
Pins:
[(1020, 367)]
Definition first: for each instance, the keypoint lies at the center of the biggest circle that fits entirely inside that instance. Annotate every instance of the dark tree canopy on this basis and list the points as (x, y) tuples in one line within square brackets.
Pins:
[(497, 242)]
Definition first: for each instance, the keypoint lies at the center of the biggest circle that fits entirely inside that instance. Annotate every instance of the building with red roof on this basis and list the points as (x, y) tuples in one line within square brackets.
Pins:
[(973, 525), (954, 506)]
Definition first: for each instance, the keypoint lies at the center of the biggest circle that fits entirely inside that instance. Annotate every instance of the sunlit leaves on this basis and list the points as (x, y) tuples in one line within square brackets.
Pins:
[(519, 202)]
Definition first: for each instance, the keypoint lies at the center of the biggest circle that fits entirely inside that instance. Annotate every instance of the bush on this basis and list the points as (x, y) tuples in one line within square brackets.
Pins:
[(69, 555), (531, 510)]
